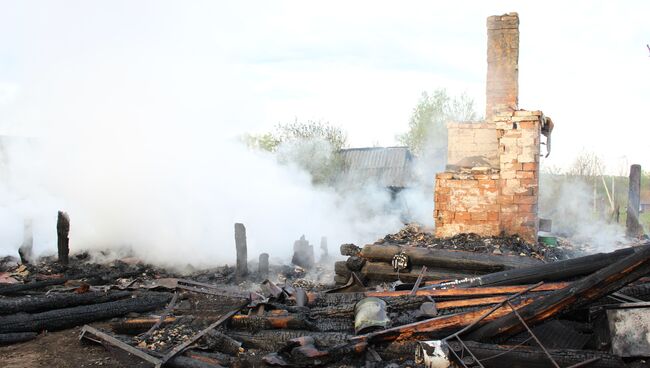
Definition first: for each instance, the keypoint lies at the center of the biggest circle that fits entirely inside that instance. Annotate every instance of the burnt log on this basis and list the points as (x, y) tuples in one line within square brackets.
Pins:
[(256, 323), (555, 271), (136, 326), (497, 356), (217, 341), (340, 280), (274, 340), (577, 295), (349, 250), (341, 269), (59, 319), (16, 337), (450, 259), (13, 289), (40, 303), (355, 263), (339, 300), (380, 271)]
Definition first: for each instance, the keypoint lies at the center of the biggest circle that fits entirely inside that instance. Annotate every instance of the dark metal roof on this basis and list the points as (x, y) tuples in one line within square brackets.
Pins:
[(387, 166)]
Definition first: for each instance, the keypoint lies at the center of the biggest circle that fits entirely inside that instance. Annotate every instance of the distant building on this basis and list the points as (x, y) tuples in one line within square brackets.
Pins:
[(388, 167)]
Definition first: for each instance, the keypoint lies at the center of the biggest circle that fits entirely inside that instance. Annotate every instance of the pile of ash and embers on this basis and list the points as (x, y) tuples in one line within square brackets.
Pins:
[(409, 300)]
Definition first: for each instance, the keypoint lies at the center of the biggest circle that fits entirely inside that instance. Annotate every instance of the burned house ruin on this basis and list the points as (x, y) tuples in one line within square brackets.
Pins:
[(491, 184)]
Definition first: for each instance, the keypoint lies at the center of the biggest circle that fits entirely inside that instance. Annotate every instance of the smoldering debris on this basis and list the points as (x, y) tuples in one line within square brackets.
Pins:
[(515, 304)]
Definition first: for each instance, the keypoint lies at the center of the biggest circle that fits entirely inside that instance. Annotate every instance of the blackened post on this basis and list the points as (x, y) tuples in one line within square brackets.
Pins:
[(263, 267), (633, 202), (242, 253), (25, 250), (63, 241)]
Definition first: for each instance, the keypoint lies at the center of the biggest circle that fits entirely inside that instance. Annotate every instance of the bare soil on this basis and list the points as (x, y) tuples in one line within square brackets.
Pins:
[(61, 349)]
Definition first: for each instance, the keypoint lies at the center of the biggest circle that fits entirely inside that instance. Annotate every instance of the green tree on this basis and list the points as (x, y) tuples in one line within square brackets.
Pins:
[(311, 145), (427, 132)]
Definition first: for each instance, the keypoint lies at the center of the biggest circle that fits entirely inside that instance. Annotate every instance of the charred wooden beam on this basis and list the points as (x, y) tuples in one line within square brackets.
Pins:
[(450, 259), (16, 337), (355, 263), (63, 240), (497, 356), (13, 289), (274, 340), (341, 269), (218, 341), (256, 323), (349, 250), (341, 299), (380, 271), (555, 271), (578, 294), (40, 303), (470, 292), (136, 326), (59, 319), (401, 304), (242, 252)]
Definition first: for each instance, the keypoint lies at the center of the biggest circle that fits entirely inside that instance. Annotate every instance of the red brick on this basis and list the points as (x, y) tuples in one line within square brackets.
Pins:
[(493, 216), (509, 208), (529, 124), (506, 199), (487, 183), (527, 208), (482, 216), (524, 199), (462, 216), (525, 175), (529, 166)]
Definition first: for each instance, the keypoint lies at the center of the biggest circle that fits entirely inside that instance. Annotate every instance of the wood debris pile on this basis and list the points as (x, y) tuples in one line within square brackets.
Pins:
[(520, 309)]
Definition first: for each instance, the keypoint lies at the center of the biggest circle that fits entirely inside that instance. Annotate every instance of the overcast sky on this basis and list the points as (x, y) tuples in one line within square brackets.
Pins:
[(243, 66)]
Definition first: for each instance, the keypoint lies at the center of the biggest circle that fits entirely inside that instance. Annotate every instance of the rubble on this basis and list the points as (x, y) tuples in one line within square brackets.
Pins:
[(182, 322)]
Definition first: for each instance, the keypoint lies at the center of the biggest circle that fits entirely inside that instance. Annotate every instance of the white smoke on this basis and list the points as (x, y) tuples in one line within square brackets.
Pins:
[(568, 202)]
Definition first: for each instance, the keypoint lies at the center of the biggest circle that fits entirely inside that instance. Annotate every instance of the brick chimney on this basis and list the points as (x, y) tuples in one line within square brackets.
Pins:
[(502, 87)]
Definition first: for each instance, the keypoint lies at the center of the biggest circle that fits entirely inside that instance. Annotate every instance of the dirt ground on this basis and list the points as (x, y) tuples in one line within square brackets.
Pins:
[(60, 349)]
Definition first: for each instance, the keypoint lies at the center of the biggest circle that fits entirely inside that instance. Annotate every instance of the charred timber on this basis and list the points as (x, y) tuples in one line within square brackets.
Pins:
[(578, 294), (59, 319), (340, 299), (256, 323), (40, 303), (451, 259), (218, 341), (16, 337), (555, 271), (497, 356), (136, 326), (380, 271)]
